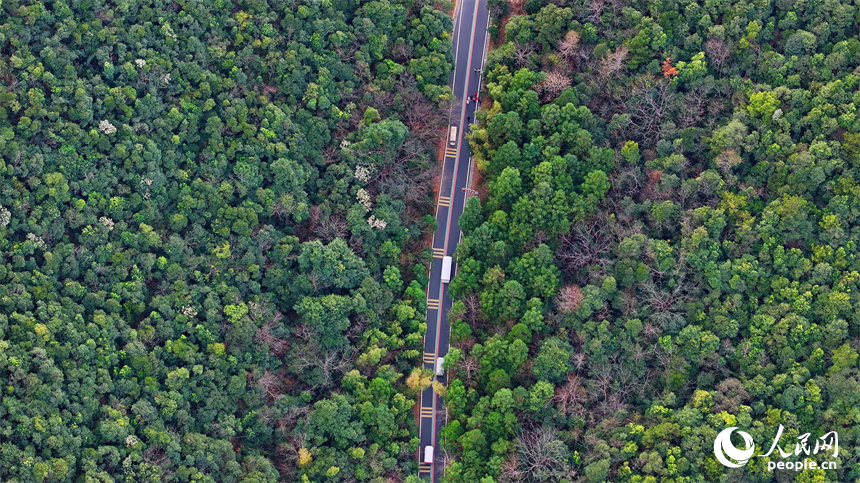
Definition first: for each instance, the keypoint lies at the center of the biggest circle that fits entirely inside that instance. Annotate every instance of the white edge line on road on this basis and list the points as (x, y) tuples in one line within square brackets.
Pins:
[(480, 79), (457, 14), (460, 138)]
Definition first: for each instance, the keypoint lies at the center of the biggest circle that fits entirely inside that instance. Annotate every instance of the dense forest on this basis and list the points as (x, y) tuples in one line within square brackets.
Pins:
[(212, 263), (214, 222), (665, 244)]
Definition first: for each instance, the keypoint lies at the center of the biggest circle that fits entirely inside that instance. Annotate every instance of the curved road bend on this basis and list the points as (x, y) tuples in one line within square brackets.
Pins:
[(470, 44)]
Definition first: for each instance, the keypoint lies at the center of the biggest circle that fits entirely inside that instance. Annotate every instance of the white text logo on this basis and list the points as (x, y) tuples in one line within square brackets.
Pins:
[(723, 447), (732, 457)]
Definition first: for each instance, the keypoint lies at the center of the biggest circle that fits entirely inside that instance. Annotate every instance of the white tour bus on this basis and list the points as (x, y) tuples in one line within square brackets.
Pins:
[(440, 371), (428, 454), (452, 135), (446, 269)]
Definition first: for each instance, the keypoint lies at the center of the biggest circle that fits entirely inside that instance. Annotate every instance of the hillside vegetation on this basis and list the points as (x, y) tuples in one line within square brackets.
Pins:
[(666, 246), (211, 255)]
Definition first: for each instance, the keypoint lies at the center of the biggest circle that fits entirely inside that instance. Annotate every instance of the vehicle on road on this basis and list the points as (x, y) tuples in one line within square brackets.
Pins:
[(452, 135), (446, 269), (440, 371), (428, 454)]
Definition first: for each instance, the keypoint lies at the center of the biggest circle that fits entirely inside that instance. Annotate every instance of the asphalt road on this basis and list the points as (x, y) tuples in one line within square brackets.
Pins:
[(470, 43)]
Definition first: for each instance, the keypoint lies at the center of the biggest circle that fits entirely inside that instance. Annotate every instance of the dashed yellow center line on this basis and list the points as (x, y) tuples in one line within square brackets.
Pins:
[(426, 469)]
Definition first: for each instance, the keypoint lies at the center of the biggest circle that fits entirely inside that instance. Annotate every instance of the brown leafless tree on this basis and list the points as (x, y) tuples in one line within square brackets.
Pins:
[(552, 85), (541, 455), (629, 302), (568, 47), (469, 366), (538, 237), (313, 217), (718, 50), (356, 243), (694, 107), (627, 380), (608, 393), (649, 106), (568, 299), (154, 454), (665, 303), (730, 394), (595, 11), (579, 360), (517, 7), (356, 329), (289, 451), (401, 52), (264, 336), (510, 471), (600, 387), (651, 331), (408, 176), (588, 243), (444, 459), (523, 53), (285, 461), (330, 228), (331, 154), (612, 63), (727, 160), (383, 99), (473, 314), (651, 190), (422, 118), (270, 384), (328, 365), (626, 181), (638, 354), (314, 279), (291, 415), (304, 331), (570, 395)]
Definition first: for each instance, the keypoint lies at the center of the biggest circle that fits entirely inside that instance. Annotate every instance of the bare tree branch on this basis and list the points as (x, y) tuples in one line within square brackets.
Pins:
[(613, 63), (569, 298), (588, 243), (552, 85), (541, 455)]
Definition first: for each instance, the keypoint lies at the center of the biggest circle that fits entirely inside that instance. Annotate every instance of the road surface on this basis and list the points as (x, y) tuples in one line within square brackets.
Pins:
[(471, 19)]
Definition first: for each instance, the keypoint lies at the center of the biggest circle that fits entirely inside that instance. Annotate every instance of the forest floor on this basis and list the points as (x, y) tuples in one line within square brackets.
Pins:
[(443, 145), (479, 184), (502, 24), (436, 184), (416, 413)]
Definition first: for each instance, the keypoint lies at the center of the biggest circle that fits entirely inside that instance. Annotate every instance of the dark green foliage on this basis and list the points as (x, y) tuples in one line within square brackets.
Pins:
[(671, 232), (210, 215)]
